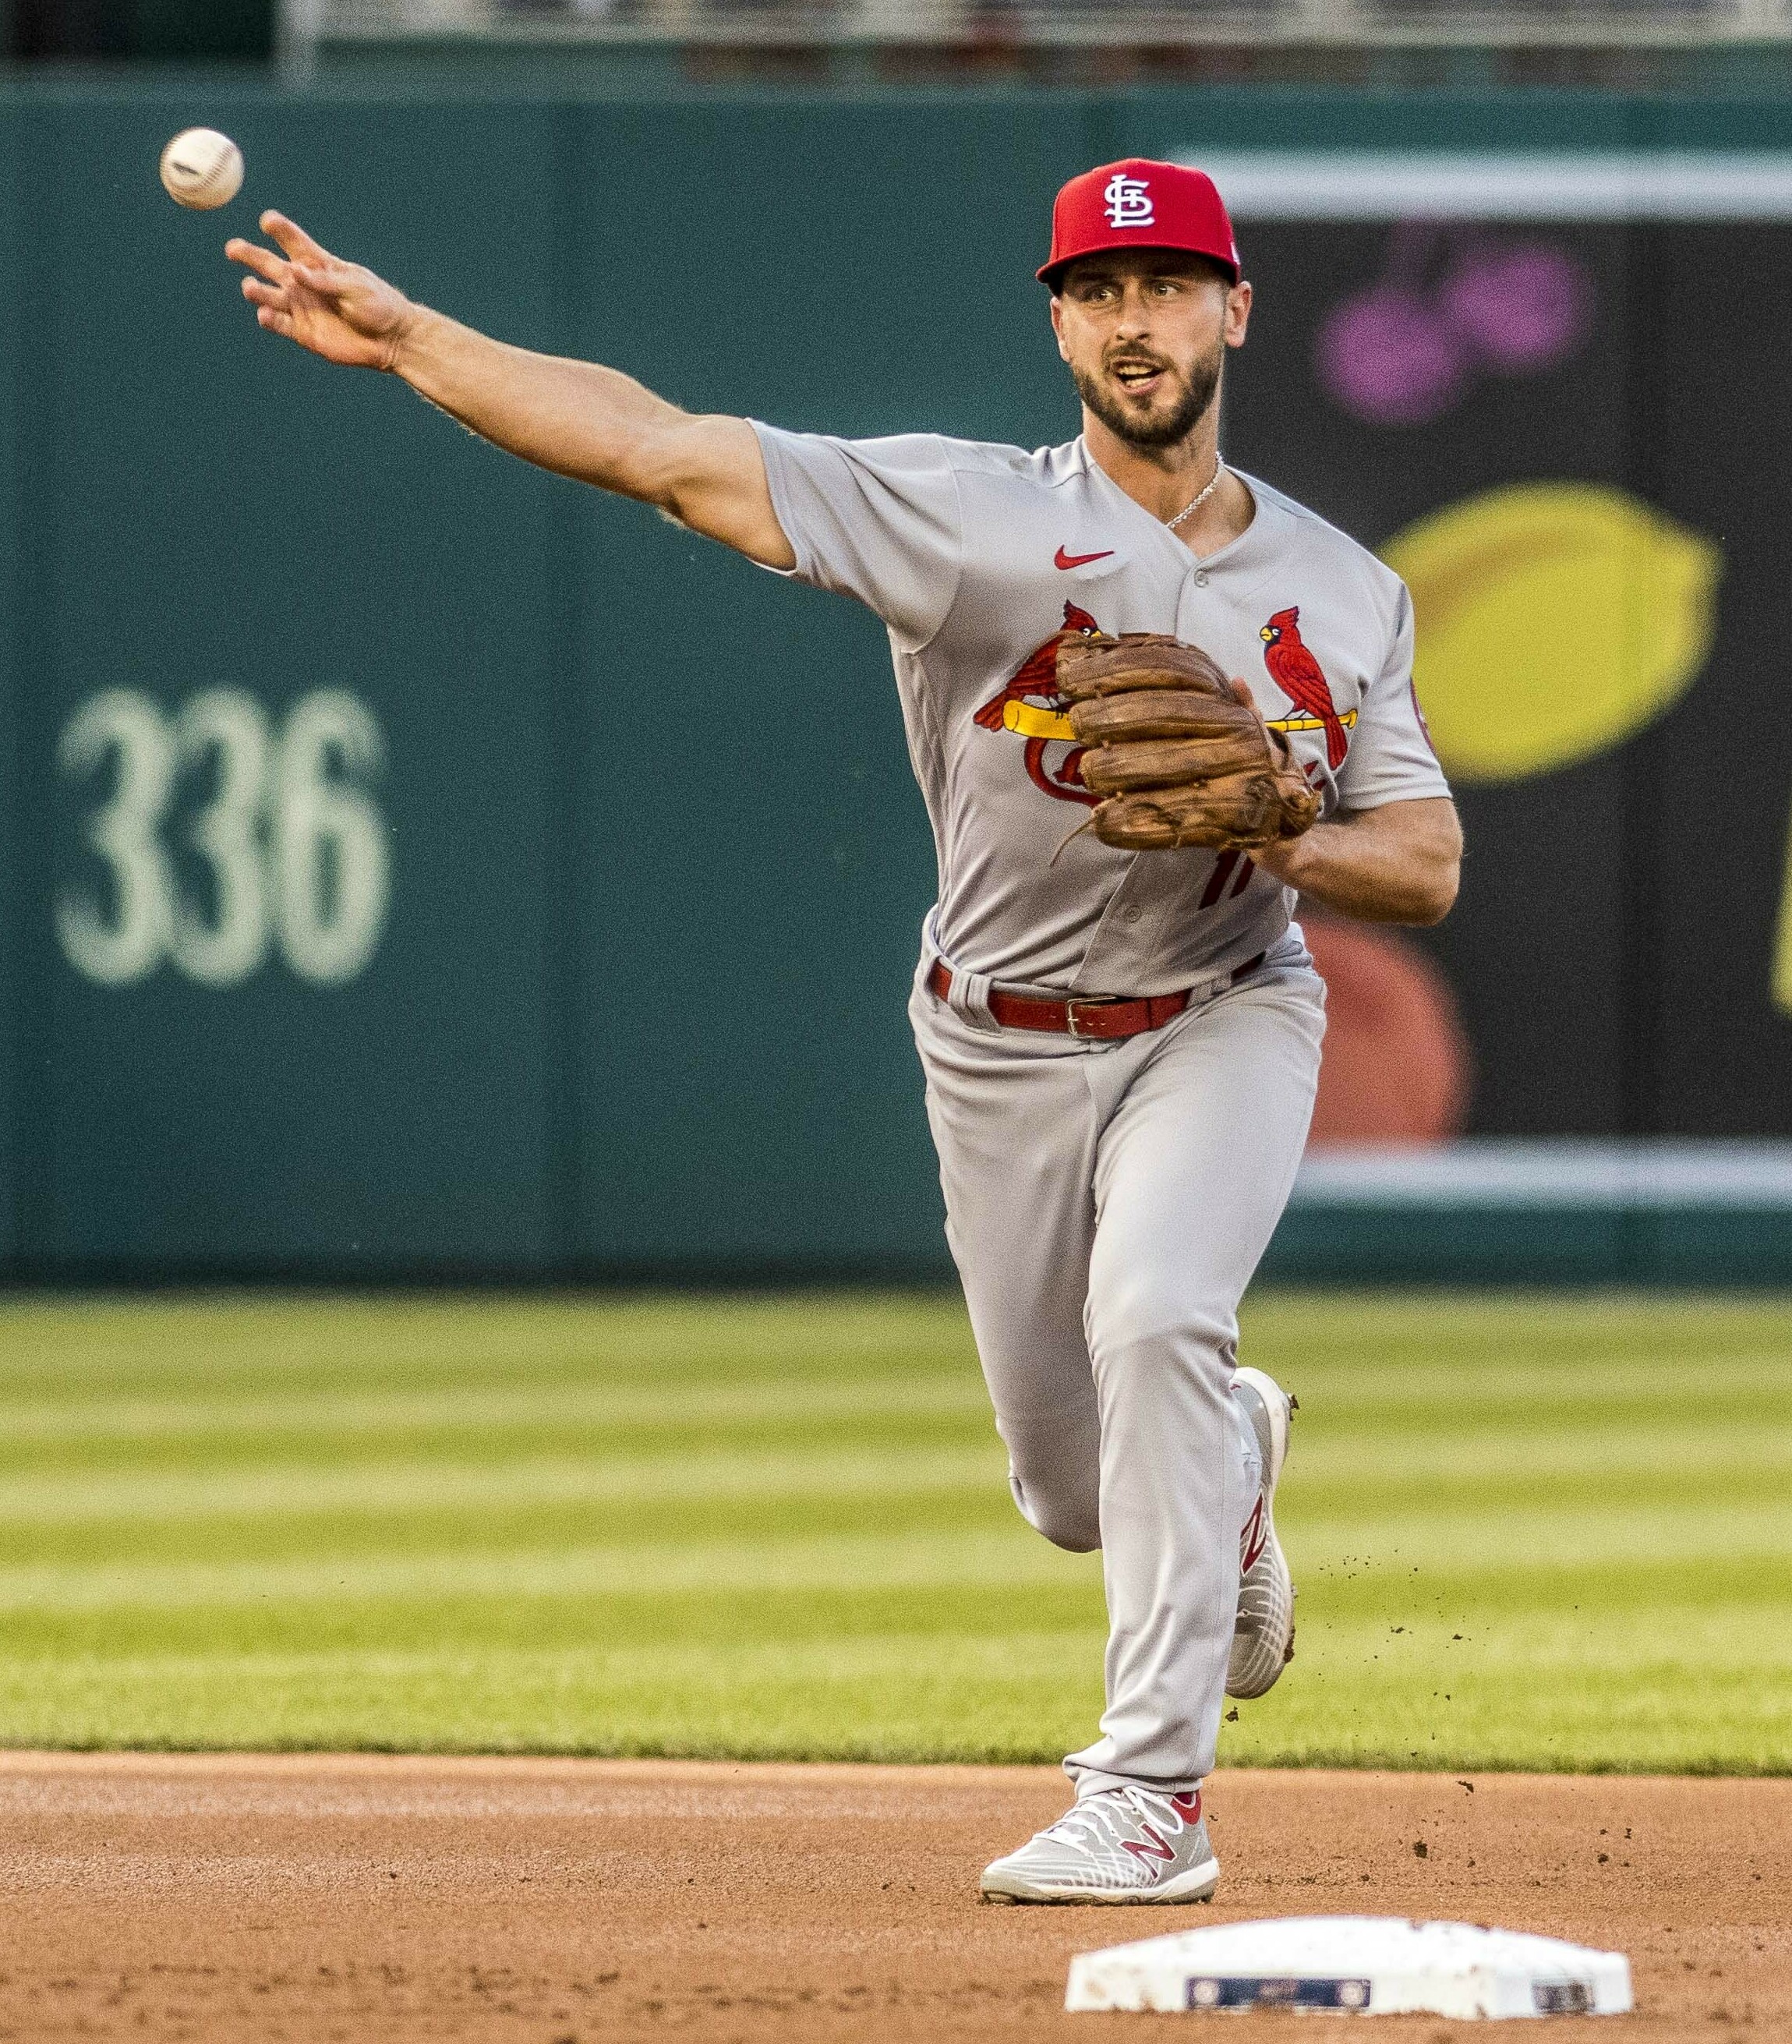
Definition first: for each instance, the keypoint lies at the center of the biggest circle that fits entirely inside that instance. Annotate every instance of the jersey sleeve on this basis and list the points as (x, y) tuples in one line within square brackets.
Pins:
[(877, 520), (1391, 758)]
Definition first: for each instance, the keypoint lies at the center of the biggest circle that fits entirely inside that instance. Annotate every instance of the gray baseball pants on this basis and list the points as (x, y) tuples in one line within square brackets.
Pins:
[(1106, 1205)]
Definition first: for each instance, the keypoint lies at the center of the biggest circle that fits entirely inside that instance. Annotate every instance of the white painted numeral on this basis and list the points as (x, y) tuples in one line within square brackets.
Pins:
[(125, 942), (330, 855), (294, 845), (225, 948)]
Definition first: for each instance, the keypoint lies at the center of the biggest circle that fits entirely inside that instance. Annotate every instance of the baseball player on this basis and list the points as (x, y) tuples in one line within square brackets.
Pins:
[(1121, 1045)]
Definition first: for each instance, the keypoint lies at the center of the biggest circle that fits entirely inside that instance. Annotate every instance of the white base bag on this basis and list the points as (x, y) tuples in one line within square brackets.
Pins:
[(1367, 1965)]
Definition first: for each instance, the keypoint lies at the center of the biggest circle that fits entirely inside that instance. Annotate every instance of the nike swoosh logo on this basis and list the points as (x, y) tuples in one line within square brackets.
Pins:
[(1061, 559)]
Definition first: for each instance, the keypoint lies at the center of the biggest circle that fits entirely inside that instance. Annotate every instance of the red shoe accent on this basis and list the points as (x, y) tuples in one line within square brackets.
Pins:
[(1255, 1537), (1159, 1847)]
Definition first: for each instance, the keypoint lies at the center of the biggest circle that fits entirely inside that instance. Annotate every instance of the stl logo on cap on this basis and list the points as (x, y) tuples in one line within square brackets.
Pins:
[(1129, 202), (1139, 203)]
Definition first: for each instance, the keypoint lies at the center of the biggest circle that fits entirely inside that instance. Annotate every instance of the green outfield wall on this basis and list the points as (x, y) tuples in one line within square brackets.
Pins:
[(414, 865)]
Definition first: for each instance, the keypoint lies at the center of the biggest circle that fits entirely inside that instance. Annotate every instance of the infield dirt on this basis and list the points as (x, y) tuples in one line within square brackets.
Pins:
[(243, 1898)]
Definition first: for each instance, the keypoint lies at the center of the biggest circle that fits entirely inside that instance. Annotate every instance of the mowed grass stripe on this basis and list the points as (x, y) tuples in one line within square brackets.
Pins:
[(1603, 1577), (1427, 1342), (1757, 1534), (1755, 1465), (265, 1394), (1435, 1424), (66, 1346), (1437, 1437), (398, 1489), (831, 1561), (336, 1415)]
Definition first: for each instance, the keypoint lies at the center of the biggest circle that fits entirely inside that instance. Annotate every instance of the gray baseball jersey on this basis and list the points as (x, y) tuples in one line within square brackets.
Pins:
[(975, 556), (1107, 1203)]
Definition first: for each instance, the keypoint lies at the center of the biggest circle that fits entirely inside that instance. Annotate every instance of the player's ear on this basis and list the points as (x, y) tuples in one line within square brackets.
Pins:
[(1237, 313), (1057, 325)]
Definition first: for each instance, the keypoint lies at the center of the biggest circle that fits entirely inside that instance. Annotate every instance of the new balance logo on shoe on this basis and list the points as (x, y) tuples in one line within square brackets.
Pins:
[(1154, 1845), (1255, 1536)]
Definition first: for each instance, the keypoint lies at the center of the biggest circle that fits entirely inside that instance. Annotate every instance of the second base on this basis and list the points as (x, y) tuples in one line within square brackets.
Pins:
[(1364, 1965)]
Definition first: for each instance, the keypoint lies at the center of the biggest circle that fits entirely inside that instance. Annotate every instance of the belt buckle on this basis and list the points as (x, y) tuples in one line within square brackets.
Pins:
[(1070, 1021)]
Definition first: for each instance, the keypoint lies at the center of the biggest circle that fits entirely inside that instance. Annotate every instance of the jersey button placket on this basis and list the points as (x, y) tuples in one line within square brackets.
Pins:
[(1189, 607)]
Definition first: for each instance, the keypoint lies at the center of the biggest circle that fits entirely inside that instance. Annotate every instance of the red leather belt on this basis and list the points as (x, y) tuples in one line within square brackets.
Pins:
[(1099, 1021)]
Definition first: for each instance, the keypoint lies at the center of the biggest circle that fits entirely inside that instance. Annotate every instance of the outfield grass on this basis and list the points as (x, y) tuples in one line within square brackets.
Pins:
[(1529, 1533)]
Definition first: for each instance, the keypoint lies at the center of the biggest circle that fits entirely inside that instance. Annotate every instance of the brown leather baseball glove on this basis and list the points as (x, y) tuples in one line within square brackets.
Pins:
[(1177, 757)]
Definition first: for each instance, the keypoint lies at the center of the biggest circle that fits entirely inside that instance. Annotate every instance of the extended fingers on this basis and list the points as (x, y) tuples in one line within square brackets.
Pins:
[(271, 280), (292, 239), (252, 256)]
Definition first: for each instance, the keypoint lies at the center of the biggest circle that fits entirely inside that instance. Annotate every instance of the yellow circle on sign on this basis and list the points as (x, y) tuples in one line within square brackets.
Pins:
[(1554, 619)]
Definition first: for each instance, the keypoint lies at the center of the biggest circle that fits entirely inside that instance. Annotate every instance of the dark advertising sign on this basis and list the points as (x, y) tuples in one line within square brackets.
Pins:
[(1577, 464)]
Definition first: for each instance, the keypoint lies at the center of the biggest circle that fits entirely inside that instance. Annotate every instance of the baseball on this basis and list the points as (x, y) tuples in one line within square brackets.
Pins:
[(202, 168)]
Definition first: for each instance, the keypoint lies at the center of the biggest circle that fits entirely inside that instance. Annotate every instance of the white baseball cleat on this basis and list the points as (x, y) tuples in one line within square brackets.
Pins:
[(1263, 1638), (1117, 1845)]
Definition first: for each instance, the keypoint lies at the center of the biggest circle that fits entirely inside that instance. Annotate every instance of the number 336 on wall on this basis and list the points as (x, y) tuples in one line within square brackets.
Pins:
[(285, 846)]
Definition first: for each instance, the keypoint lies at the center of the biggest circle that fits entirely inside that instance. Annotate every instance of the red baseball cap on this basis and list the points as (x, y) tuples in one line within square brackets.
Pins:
[(1139, 204)]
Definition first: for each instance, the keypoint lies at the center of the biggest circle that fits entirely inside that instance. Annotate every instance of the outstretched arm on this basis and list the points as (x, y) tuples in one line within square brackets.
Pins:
[(1399, 863), (577, 418)]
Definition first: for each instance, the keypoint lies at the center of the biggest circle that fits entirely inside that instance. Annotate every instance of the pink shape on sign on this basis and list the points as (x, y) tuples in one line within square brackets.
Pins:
[(1524, 307), (1406, 348), (1390, 357)]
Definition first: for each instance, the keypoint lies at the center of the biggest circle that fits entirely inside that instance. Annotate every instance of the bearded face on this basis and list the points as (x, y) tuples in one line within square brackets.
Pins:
[(1147, 400), (1144, 335)]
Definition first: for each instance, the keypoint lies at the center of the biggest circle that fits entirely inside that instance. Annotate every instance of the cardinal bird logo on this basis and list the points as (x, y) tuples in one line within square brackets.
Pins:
[(1031, 705), (1300, 677)]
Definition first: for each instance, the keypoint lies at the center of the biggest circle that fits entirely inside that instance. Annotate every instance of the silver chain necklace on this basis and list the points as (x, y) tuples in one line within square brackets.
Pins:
[(1188, 510)]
